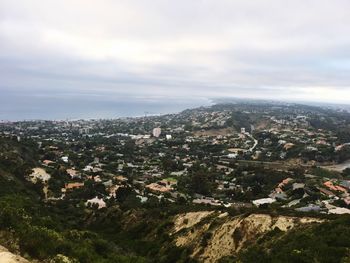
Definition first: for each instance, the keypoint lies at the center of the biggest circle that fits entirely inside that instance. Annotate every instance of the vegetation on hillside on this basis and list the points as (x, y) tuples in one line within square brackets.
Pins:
[(128, 231), (326, 242)]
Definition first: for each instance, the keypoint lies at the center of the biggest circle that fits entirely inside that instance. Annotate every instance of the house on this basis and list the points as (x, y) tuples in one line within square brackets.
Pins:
[(264, 201), (278, 190), (121, 178), (179, 173), (330, 186), (88, 168), (321, 142), (326, 192), (346, 200), (97, 179), (74, 185), (72, 173), (298, 186), (309, 208), (345, 184), (333, 187), (159, 188), (96, 201), (285, 182), (232, 155), (156, 132), (204, 201), (48, 162), (108, 183), (96, 170), (65, 159), (339, 211), (293, 202), (288, 146)]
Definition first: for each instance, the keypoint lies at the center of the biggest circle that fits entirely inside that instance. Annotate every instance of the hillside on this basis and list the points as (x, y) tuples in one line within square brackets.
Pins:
[(40, 232), (213, 236), (66, 229), (8, 257)]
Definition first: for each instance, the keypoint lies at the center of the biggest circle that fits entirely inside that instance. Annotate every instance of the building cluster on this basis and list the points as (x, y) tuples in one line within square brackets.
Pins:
[(158, 157)]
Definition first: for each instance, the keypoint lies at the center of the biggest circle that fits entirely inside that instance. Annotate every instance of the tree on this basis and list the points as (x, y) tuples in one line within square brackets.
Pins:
[(200, 183)]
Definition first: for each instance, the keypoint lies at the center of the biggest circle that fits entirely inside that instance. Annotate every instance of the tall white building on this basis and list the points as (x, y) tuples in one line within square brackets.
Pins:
[(156, 132)]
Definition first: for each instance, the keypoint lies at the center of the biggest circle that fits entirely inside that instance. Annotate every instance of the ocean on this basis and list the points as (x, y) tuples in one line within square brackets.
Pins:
[(51, 108)]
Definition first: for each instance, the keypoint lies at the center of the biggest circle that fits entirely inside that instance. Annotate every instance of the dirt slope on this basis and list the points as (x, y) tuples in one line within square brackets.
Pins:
[(213, 235), (8, 257)]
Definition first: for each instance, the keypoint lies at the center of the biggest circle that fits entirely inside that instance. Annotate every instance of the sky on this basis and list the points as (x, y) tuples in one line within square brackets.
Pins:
[(62, 54)]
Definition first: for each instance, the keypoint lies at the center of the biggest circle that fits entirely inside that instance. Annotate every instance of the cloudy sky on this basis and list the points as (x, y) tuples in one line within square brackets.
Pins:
[(154, 50)]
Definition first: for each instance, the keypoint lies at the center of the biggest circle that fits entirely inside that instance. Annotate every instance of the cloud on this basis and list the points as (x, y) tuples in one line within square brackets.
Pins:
[(296, 49)]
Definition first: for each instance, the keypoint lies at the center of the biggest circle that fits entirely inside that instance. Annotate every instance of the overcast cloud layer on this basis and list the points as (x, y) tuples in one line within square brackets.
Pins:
[(180, 50)]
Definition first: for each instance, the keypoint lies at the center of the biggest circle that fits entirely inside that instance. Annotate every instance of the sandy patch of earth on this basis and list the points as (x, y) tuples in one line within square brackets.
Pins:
[(214, 132), (8, 257), (188, 220)]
